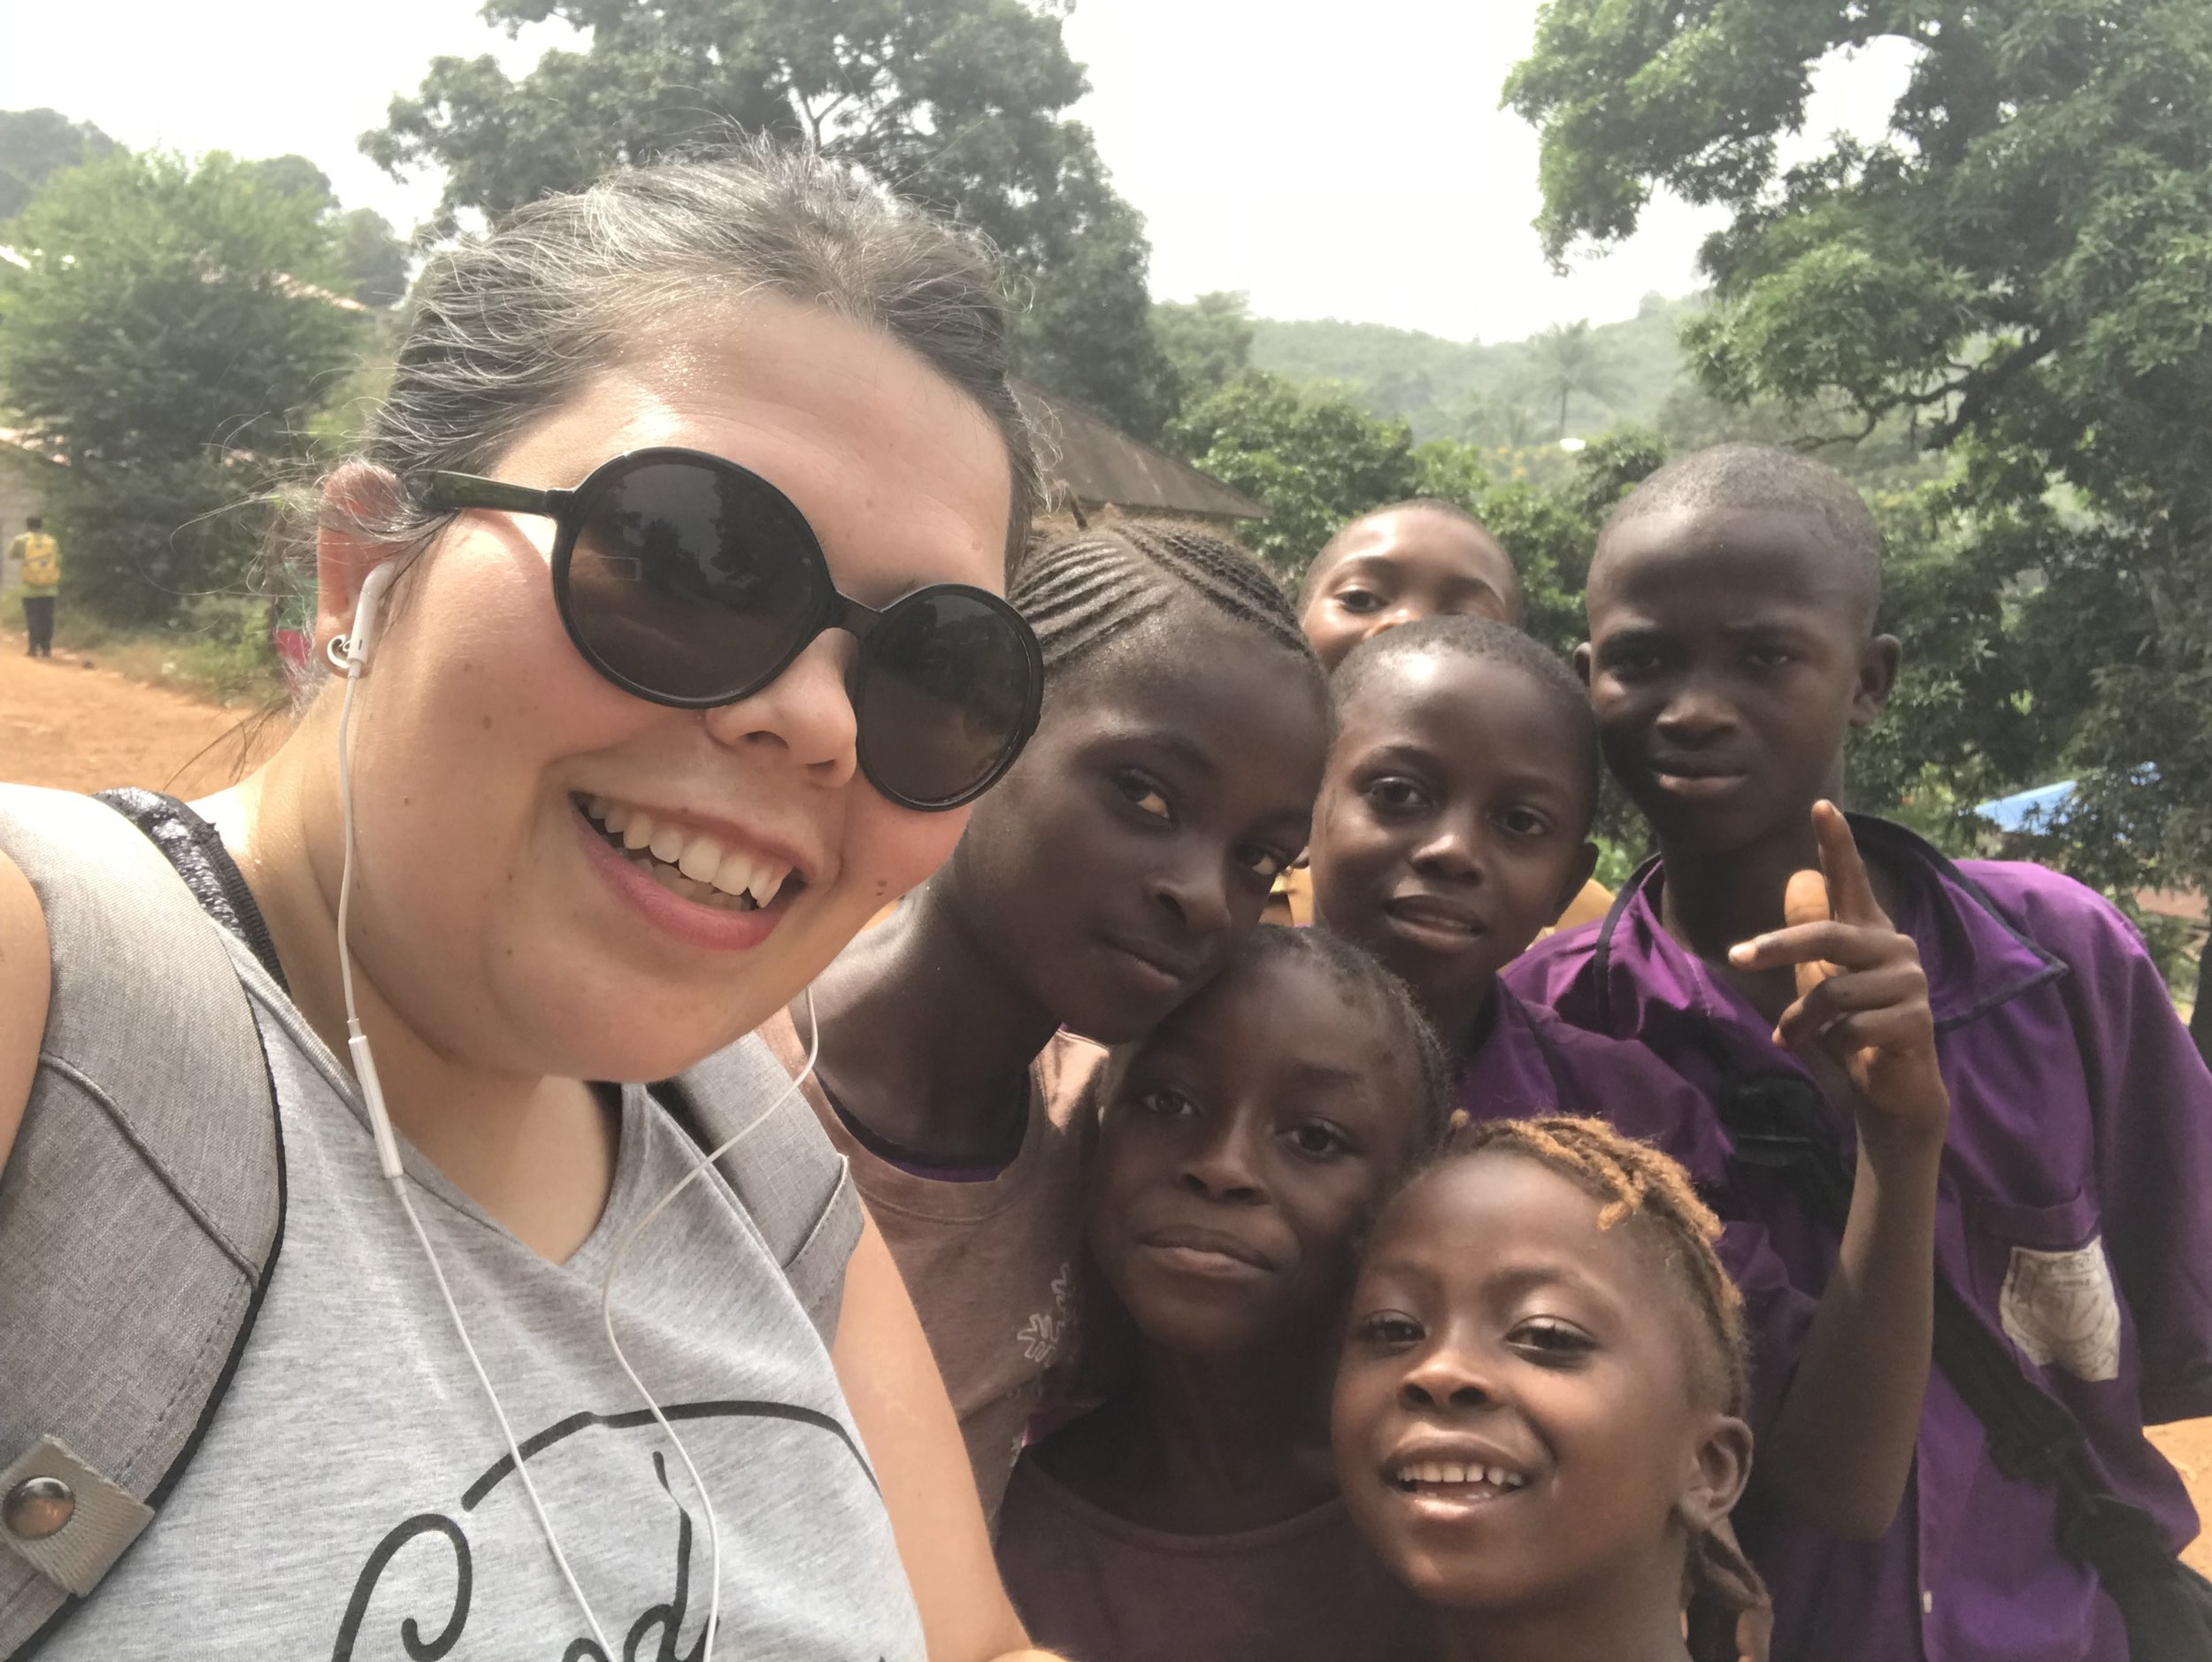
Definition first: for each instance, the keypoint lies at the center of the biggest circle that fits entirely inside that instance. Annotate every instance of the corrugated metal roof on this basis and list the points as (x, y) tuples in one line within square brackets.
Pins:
[(1087, 457)]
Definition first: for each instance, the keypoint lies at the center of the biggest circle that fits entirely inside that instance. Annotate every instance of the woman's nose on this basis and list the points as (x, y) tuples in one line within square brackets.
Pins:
[(806, 713)]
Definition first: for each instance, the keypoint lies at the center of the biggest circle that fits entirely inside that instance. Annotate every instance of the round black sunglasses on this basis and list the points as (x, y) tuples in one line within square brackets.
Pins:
[(691, 582)]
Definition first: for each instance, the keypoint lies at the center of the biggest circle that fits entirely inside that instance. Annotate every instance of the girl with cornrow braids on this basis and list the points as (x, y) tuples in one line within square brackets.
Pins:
[(1170, 777), (1540, 1414)]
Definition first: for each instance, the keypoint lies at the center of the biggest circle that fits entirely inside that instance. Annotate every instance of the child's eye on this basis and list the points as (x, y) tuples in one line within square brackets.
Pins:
[(1144, 792), (1396, 795), (1766, 657), (1391, 1328), (1166, 1101), (1550, 1341), (1524, 823), (1266, 864), (1317, 1140), (1360, 600)]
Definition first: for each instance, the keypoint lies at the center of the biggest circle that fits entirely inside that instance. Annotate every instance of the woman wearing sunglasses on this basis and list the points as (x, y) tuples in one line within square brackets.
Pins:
[(700, 489)]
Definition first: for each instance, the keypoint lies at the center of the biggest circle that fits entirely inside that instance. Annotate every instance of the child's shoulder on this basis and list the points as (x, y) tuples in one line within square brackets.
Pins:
[(1543, 974), (2052, 910), (1625, 1083)]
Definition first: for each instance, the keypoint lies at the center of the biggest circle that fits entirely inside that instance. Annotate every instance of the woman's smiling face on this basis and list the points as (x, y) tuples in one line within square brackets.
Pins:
[(491, 913)]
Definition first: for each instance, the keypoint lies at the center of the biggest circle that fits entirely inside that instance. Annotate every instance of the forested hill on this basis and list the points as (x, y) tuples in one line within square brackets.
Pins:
[(1508, 393)]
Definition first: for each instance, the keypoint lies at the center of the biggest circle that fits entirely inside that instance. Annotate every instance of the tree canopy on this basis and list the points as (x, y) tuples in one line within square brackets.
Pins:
[(1207, 342), (35, 144), (1309, 454), (173, 326), (2019, 270), (956, 103)]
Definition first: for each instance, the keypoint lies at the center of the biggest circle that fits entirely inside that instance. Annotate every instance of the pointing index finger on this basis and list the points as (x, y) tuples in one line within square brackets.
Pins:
[(1850, 895)]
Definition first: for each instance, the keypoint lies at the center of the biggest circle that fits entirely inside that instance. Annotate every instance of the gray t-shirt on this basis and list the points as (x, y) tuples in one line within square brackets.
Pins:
[(353, 1496)]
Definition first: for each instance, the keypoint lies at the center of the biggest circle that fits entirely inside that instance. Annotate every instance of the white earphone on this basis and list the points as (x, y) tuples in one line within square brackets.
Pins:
[(348, 653)]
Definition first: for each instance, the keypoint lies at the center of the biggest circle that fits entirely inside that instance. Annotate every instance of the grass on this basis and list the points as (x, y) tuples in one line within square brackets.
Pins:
[(217, 650)]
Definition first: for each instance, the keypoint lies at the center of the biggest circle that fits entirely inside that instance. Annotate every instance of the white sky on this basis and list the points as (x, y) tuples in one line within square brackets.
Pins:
[(1334, 160)]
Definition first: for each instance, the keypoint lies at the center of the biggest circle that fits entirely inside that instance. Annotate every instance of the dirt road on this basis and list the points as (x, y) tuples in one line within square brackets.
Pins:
[(67, 726), (86, 729)]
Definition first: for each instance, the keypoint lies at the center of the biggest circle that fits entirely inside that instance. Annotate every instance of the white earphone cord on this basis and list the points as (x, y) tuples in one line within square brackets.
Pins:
[(389, 1160)]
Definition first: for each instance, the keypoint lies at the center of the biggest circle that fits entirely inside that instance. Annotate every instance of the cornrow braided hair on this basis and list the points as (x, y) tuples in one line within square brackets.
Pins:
[(1094, 586), (1633, 1180)]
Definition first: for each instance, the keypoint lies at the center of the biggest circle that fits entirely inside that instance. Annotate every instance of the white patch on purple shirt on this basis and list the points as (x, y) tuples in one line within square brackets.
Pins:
[(2060, 1308)]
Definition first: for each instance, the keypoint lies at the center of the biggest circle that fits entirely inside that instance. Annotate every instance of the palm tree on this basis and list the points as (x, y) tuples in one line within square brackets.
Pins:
[(1569, 360)]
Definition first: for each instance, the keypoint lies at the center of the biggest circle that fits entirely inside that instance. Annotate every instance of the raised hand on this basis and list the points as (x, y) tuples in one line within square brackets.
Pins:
[(1862, 1005)]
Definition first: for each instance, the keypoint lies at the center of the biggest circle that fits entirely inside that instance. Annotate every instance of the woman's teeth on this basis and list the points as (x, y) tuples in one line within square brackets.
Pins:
[(689, 862)]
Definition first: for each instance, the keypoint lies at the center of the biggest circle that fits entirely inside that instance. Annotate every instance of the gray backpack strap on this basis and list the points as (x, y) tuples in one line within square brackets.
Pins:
[(786, 1173), (141, 1209)]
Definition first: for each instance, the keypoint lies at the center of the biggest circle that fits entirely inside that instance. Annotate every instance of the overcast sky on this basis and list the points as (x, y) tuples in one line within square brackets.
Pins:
[(1333, 159)]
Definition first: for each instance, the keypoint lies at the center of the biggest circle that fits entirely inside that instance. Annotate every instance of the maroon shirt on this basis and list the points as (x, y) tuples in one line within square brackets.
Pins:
[(1094, 1586)]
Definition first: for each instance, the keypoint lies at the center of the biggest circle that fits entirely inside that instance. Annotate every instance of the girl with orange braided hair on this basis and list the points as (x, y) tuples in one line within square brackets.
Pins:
[(1539, 1423)]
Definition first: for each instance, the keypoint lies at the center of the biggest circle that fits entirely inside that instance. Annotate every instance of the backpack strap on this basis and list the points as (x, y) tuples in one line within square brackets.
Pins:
[(1777, 1122), (788, 1175), (141, 1210)]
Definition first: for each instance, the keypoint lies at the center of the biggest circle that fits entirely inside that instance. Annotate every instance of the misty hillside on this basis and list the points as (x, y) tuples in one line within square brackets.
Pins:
[(1508, 393)]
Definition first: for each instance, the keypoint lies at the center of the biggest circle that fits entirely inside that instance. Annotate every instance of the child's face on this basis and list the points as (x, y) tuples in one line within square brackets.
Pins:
[(1395, 568), (1453, 824), (1255, 1131), (1133, 844), (1729, 654), (1516, 1422)]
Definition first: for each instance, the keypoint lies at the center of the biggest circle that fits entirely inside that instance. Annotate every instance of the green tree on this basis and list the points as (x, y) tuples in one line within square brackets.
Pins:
[(1308, 453), (2019, 270), (170, 335), (35, 144), (957, 104), (369, 252), (295, 176), (1207, 342), (372, 256), (1568, 359)]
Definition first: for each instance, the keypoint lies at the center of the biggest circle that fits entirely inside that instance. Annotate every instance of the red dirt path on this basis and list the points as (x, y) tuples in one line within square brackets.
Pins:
[(67, 726), (85, 729)]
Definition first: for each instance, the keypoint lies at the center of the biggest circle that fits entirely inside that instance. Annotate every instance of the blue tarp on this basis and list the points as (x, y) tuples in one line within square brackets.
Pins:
[(2028, 809)]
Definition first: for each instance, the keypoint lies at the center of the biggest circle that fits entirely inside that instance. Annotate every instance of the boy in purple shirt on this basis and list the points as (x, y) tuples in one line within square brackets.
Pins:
[(1731, 648), (1454, 816)]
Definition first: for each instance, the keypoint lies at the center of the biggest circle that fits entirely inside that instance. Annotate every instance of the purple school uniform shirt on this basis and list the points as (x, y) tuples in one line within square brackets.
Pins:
[(2074, 1213), (1530, 1062)]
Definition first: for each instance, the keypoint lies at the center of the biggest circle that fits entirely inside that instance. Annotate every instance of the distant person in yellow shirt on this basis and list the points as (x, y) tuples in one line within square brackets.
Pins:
[(1423, 558), (41, 556)]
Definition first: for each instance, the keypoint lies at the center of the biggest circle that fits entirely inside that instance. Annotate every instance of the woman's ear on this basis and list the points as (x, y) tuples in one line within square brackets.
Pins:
[(357, 496), (1878, 661), (1717, 1476)]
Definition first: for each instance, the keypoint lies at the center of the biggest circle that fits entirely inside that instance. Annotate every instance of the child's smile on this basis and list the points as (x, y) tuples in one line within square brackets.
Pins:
[(1512, 1414)]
